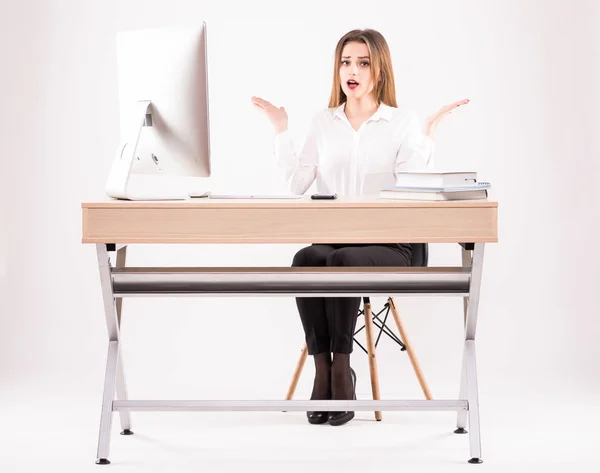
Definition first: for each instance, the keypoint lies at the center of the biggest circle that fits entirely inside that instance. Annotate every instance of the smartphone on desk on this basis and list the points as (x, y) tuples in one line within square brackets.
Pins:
[(323, 196)]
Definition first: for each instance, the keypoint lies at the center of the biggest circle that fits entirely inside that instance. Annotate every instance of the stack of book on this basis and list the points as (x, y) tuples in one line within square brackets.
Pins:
[(436, 185)]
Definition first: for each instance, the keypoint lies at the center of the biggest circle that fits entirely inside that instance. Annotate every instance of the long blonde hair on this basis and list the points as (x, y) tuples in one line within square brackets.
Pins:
[(384, 89)]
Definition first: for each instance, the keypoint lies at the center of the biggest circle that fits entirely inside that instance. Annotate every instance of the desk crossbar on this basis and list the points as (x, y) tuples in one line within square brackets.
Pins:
[(314, 282)]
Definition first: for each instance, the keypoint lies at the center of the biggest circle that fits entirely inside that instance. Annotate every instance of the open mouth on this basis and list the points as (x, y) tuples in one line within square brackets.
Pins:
[(352, 84)]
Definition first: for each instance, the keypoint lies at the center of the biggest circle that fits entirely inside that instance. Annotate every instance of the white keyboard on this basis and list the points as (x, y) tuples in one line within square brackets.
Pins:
[(255, 196), (158, 195)]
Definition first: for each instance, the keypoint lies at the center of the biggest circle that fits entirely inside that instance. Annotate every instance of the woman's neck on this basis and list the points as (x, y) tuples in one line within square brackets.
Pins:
[(360, 108)]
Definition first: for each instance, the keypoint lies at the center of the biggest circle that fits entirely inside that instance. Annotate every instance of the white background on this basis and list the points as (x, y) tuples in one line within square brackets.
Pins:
[(531, 70)]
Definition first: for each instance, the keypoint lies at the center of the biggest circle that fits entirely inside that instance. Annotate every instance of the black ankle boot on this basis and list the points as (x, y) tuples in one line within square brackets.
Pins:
[(340, 418)]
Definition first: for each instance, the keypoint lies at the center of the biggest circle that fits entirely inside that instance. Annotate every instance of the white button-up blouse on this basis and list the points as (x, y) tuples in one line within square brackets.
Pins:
[(352, 162)]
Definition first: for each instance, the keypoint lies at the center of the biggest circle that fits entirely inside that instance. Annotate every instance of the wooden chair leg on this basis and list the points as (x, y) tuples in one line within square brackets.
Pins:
[(368, 315), (297, 373), (410, 351)]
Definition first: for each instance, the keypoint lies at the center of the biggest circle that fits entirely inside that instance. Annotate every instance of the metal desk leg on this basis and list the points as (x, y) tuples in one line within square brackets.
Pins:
[(114, 378), (469, 368), (461, 423), (107, 400), (473, 397), (467, 262), (121, 386)]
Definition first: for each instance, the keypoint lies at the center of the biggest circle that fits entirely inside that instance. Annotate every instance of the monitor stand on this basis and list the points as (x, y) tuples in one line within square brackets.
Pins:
[(118, 179)]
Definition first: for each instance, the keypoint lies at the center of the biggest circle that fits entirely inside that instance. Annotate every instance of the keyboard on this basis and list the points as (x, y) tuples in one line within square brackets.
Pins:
[(255, 196), (157, 195)]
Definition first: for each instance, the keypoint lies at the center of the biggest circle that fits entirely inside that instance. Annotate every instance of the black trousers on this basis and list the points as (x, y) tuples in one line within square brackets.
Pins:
[(329, 322)]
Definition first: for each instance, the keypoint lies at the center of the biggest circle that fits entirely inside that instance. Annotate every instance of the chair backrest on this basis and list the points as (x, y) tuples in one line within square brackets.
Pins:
[(420, 254)]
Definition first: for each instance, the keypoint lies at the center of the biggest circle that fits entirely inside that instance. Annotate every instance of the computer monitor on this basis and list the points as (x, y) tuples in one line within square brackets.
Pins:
[(164, 115)]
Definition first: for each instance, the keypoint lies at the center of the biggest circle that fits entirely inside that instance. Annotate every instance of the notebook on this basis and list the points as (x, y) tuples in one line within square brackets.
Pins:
[(475, 192), (435, 178)]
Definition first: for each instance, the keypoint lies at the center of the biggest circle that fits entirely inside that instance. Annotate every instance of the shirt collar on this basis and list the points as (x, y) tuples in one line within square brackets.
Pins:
[(384, 111)]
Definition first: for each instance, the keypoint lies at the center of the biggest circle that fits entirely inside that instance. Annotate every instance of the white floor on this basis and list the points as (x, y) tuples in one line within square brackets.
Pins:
[(535, 436)]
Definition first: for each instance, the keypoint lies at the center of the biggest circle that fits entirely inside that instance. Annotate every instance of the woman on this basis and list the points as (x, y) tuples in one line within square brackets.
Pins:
[(355, 146)]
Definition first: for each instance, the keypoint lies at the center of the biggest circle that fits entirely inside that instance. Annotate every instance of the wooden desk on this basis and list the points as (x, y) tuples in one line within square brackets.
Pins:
[(112, 225), (289, 221)]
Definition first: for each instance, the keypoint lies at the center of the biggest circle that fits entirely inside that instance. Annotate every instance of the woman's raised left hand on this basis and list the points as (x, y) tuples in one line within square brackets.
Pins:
[(434, 120)]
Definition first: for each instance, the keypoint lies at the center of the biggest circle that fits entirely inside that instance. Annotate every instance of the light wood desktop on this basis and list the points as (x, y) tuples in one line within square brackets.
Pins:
[(343, 220)]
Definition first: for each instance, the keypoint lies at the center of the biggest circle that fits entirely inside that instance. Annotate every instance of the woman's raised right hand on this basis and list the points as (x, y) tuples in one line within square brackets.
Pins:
[(277, 116)]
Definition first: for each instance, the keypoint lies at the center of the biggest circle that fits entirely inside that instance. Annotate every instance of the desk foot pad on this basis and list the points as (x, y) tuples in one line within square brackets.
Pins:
[(460, 430), (127, 432), (475, 460), (103, 461)]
